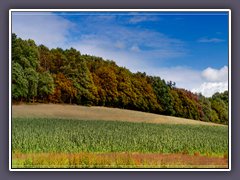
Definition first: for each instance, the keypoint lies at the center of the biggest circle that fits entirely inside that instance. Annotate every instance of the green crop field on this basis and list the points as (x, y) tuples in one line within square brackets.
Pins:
[(42, 135), (55, 135)]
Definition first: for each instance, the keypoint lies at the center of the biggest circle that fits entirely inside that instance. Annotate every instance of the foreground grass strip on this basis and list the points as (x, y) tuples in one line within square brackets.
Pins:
[(43, 135), (116, 160)]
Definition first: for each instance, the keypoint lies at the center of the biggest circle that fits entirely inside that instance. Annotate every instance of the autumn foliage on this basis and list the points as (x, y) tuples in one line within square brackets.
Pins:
[(47, 75)]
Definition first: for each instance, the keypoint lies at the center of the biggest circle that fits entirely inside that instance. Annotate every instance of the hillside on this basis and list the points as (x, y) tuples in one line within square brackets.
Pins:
[(96, 113), (42, 75)]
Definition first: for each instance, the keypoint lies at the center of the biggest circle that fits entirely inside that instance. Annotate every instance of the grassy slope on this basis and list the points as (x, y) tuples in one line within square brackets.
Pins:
[(96, 113)]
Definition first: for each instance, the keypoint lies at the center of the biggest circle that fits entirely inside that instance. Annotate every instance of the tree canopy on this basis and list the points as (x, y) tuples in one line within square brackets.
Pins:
[(44, 75)]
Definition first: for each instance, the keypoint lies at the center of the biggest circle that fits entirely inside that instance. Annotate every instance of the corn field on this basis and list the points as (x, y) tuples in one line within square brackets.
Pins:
[(38, 135)]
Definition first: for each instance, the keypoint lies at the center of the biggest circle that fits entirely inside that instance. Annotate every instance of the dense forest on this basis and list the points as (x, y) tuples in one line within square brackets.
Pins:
[(44, 75)]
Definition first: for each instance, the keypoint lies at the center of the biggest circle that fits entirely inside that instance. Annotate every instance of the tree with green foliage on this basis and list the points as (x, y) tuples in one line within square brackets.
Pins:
[(19, 82), (45, 85), (223, 96), (221, 109), (124, 88), (146, 99), (57, 60), (66, 76), (164, 97), (83, 82), (32, 78)]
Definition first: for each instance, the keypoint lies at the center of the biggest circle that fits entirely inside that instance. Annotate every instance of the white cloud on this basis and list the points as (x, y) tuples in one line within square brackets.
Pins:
[(121, 56), (210, 40), (185, 77), (45, 28), (194, 80), (209, 88), (215, 80), (190, 79), (113, 42), (216, 75)]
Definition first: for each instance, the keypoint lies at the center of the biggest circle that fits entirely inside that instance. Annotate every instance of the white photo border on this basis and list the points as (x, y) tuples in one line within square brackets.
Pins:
[(120, 10)]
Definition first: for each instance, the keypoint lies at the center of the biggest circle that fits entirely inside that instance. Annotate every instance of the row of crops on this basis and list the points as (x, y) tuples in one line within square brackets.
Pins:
[(35, 135)]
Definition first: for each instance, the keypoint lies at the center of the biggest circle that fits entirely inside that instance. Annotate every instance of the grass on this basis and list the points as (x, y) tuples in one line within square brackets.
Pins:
[(66, 136), (57, 135), (64, 111)]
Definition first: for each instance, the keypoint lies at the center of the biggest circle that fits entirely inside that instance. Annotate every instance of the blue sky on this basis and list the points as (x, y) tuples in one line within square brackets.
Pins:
[(190, 48)]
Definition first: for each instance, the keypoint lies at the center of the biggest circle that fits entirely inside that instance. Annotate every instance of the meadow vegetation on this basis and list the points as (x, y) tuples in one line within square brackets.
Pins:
[(36, 141)]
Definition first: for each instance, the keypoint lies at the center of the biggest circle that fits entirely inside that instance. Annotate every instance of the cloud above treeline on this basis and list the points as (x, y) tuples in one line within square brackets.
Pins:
[(206, 82), (216, 75), (43, 27), (215, 80), (209, 88)]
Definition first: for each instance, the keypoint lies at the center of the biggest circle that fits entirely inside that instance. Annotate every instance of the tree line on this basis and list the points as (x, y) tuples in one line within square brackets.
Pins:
[(44, 75)]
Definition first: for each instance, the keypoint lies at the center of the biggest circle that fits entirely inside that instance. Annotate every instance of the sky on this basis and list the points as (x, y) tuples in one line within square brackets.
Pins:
[(189, 48)]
